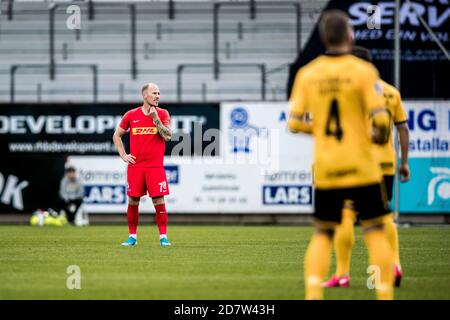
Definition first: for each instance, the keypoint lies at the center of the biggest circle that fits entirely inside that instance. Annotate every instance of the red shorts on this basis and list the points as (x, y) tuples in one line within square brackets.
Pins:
[(141, 180)]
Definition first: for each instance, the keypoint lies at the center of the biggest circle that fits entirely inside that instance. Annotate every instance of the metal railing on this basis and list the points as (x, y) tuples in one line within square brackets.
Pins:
[(92, 8), (9, 9), (134, 70), (15, 68), (252, 12), (182, 67), (91, 15)]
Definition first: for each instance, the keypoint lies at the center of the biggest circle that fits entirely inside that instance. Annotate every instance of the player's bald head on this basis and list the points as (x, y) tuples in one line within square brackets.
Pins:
[(335, 28), (149, 86)]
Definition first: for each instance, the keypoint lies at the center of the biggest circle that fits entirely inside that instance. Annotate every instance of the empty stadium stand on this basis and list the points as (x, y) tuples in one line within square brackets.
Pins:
[(195, 50)]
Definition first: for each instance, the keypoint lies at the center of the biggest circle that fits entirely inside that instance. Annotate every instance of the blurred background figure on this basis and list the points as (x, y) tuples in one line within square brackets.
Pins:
[(71, 195)]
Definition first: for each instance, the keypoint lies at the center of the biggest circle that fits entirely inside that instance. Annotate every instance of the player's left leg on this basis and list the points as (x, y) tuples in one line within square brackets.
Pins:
[(344, 239), (392, 235), (162, 220), (391, 231), (158, 187)]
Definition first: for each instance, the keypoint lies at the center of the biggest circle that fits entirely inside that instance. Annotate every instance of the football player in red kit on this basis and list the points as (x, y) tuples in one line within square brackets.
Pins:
[(149, 128)]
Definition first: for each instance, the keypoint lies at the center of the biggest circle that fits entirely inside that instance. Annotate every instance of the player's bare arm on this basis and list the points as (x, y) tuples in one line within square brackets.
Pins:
[(163, 130), (403, 134), (117, 138)]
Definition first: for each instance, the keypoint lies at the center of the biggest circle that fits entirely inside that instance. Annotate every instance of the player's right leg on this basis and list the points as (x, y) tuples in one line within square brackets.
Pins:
[(136, 189), (327, 214), (133, 221), (317, 260)]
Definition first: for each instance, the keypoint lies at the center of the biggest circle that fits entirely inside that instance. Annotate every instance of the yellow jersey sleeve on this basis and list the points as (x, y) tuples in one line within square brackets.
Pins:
[(374, 102), (298, 106), (372, 91)]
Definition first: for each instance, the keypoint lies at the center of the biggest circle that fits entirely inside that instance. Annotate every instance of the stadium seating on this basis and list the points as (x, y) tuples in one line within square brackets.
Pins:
[(162, 45)]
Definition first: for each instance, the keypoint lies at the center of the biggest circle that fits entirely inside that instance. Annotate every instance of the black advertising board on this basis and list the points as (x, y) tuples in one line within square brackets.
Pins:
[(424, 69), (87, 129), (29, 182)]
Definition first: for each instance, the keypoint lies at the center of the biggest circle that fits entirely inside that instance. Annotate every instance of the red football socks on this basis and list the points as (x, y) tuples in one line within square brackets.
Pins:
[(133, 218), (161, 218)]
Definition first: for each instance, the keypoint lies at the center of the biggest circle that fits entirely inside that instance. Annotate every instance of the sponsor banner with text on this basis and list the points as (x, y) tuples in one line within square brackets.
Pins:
[(87, 129), (424, 70), (200, 185), (428, 190)]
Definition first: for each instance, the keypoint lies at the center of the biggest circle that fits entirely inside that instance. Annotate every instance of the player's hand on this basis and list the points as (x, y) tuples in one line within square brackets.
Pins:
[(128, 158), (153, 113), (404, 172)]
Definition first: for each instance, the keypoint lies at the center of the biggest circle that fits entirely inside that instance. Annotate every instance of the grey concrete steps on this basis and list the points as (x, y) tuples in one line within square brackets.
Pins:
[(162, 45)]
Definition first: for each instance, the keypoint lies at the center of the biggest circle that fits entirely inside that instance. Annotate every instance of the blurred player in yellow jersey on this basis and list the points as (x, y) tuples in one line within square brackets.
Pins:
[(343, 96), (344, 234)]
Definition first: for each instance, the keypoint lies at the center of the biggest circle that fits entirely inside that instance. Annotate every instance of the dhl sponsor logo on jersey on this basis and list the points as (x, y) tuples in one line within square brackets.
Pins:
[(144, 130)]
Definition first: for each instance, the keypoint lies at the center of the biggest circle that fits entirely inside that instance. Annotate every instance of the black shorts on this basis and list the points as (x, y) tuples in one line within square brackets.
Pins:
[(369, 202), (388, 181)]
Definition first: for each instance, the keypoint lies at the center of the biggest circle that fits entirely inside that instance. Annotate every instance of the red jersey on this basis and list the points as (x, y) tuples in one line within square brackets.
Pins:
[(146, 144)]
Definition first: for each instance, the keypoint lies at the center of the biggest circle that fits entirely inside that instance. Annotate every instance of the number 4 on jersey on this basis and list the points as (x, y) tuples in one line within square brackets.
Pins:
[(333, 127)]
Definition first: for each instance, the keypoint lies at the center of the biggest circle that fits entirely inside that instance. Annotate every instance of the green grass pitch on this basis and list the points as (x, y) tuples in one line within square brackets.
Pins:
[(204, 262)]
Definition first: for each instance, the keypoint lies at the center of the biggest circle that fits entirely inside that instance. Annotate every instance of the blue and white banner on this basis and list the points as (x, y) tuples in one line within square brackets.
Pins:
[(200, 186), (257, 133), (429, 126), (428, 190)]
